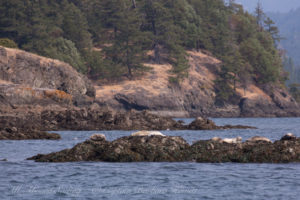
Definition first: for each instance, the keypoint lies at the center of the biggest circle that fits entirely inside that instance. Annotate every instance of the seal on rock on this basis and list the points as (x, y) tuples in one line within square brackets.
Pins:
[(98, 137), (147, 133), (216, 139), (259, 139), (232, 140), (289, 136)]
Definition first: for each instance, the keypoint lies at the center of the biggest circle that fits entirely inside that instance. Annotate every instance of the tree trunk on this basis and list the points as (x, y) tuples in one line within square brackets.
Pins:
[(127, 60), (133, 4), (197, 46), (156, 45), (156, 53)]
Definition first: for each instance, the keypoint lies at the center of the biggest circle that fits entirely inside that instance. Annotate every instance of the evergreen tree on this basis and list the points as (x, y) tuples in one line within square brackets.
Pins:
[(127, 48), (260, 15), (272, 29)]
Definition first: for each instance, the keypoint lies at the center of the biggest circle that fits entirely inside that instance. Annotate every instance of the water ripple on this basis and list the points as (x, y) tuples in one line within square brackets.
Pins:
[(22, 179)]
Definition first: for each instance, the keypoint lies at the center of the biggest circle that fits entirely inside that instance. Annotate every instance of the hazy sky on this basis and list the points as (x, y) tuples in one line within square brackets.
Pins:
[(271, 5)]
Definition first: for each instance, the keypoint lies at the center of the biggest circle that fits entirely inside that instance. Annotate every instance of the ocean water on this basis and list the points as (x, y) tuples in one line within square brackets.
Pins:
[(22, 179)]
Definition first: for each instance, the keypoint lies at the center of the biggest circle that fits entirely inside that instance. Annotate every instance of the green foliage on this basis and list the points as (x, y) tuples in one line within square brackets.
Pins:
[(224, 91), (124, 31), (295, 91), (5, 42), (65, 50), (100, 68)]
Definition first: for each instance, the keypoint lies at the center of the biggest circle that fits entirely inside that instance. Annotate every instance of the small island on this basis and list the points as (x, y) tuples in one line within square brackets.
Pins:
[(149, 146)]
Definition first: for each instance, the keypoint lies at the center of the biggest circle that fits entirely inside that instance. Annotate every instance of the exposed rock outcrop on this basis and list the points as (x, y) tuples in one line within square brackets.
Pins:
[(196, 95), (254, 152), (30, 84), (91, 118), (125, 149), (25, 134), (207, 124), (176, 149), (23, 68)]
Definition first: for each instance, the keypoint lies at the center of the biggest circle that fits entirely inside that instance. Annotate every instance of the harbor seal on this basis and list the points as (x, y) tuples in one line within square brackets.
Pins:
[(216, 139), (98, 137), (289, 136), (259, 139), (147, 133), (232, 140)]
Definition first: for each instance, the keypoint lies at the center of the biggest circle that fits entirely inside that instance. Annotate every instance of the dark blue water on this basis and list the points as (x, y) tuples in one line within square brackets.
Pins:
[(21, 179)]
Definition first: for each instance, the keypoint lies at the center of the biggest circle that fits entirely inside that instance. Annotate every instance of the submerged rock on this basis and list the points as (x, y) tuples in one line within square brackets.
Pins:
[(176, 149)]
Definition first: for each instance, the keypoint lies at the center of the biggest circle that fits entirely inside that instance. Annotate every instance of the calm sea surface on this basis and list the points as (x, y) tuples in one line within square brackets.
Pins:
[(21, 179)]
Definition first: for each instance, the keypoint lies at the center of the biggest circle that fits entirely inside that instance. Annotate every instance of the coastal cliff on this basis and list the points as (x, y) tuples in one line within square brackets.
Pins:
[(196, 94), (29, 79), (29, 84)]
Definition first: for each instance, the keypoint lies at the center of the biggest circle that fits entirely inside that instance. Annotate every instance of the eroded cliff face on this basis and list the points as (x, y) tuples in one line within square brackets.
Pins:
[(28, 79), (196, 94)]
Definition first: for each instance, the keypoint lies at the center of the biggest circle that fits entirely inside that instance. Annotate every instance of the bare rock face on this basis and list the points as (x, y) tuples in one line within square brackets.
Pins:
[(273, 101), (20, 95), (23, 68), (196, 95)]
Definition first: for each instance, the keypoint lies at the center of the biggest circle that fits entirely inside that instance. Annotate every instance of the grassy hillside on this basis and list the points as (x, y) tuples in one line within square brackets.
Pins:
[(111, 39)]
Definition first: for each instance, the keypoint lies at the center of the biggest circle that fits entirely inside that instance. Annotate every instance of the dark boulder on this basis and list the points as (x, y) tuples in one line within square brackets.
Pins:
[(207, 124), (202, 124)]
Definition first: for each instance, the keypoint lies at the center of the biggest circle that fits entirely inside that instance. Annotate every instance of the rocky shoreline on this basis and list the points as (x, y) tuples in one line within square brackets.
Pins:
[(154, 147), (33, 124)]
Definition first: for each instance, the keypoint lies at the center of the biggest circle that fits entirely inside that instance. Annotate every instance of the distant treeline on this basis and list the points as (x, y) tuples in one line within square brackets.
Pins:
[(109, 39)]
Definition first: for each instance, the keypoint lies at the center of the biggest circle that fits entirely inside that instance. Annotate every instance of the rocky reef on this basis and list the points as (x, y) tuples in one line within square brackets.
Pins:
[(25, 134), (90, 118), (158, 148)]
